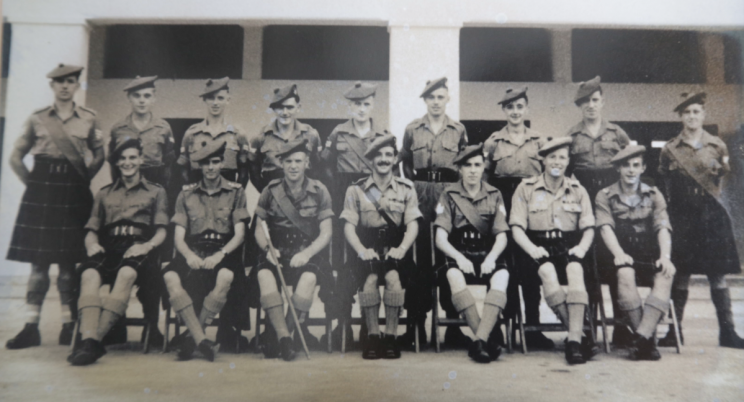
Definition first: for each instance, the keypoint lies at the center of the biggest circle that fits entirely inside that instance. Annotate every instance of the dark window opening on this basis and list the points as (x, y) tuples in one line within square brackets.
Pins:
[(302, 52), (174, 51), (7, 32), (732, 58), (637, 56), (505, 54)]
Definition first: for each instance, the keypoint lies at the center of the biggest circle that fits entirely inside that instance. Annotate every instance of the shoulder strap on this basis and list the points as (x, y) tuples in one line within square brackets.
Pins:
[(470, 213), (355, 144), (697, 176), (289, 209), (375, 199), (64, 144)]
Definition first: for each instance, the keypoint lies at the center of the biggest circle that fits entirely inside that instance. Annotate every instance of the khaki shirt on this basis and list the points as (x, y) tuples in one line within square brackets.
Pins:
[(398, 199), (508, 159), (81, 127), (145, 203), (339, 155), (534, 207), (424, 149), (710, 156), (487, 202), (198, 211), (611, 207), (595, 153), (313, 204), (156, 136), (201, 134), (269, 142)]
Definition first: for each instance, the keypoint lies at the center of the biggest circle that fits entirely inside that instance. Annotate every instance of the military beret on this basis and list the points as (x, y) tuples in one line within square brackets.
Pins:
[(212, 86), (284, 93), (689, 99), (628, 152), (586, 89), (513, 94), (379, 143), (298, 145), (433, 85), (360, 90), (467, 153), (141, 83), (554, 144), (63, 70), (122, 144), (213, 148)]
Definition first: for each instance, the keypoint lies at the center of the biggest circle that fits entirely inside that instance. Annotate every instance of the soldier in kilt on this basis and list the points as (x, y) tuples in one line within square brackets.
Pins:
[(57, 201)]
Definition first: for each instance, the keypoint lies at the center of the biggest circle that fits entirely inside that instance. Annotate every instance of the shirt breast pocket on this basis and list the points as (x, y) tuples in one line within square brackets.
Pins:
[(572, 208), (450, 144), (342, 147), (580, 147), (308, 211), (610, 146), (222, 214), (420, 151), (396, 206)]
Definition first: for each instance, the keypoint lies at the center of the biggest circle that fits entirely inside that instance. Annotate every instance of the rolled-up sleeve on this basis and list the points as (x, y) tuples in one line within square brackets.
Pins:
[(240, 211), (603, 210), (518, 214), (161, 208), (264, 204), (181, 218), (325, 210), (351, 207), (661, 217), (586, 220), (444, 213), (97, 214), (499, 220), (26, 140), (412, 211), (183, 158)]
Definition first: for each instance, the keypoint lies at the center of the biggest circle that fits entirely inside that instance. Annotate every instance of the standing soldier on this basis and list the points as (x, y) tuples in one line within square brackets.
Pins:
[(552, 221), (511, 155), (430, 144), (595, 142), (208, 269), (693, 165), (471, 232), (297, 211), (216, 96), (158, 156), (381, 214), (127, 223), (264, 163), (345, 162), (633, 221), (57, 201)]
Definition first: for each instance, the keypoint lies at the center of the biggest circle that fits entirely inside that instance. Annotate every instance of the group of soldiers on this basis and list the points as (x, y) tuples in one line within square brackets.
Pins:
[(522, 208)]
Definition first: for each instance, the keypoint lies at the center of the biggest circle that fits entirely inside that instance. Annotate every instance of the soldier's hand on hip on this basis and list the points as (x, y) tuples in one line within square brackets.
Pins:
[(95, 249), (194, 261), (538, 252), (465, 265), (299, 260), (212, 261), (137, 250), (395, 253), (368, 255), (667, 268), (488, 265), (578, 252), (624, 261)]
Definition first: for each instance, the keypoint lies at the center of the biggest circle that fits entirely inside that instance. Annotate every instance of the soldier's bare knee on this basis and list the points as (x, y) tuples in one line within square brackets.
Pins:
[(224, 278), (370, 284), (172, 281), (392, 281), (90, 278), (307, 279), (575, 276), (266, 281), (626, 278), (500, 280), (456, 280), (547, 273), (127, 275)]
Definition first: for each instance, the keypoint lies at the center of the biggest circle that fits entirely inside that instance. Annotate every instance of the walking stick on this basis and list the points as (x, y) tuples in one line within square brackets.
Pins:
[(284, 288)]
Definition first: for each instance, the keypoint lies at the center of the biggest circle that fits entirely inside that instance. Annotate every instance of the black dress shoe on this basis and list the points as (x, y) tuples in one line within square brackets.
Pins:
[(89, 352), (589, 348), (622, 336), (477, 351), (186, 349), (391, 348), (287, 348), (65, 335), (728, 338), (28, 337), (652, 353), (209, 349), (537, 340), (454, 338), (573, 353), (670, 340), (116, 335), (372, 348), (156, 338)]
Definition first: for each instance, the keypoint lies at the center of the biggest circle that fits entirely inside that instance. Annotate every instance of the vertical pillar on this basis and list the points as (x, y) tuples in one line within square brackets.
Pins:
[(561, 48), (35, 50), (418, 54)]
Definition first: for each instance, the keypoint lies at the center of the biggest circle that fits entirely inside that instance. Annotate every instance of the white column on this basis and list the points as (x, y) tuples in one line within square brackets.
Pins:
[(35, 50), (418, 54)]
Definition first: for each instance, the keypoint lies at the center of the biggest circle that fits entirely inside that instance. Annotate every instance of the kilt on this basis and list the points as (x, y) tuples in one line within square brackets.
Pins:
[(643, 247), (702, 235), (54, 209), (112, 260), (557, 247), (477, 259)]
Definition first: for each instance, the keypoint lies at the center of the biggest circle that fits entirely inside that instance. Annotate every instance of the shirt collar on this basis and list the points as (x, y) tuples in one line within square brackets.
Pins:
[(273, 128), (223, 185), (564, 186), (503, 134), (348, 127), (307, 187), (427, 123), (705, 139), (482, 193), (129, 121), (581, 128), (371, 182), (206, 128), (75, 110), (142, 183), (616, 189)]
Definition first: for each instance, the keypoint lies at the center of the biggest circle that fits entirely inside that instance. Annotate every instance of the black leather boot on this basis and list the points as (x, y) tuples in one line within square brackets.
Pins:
[(28, 337), (727, 336)]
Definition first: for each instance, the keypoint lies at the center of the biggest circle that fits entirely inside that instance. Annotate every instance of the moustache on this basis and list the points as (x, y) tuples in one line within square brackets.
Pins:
[(384, 163)]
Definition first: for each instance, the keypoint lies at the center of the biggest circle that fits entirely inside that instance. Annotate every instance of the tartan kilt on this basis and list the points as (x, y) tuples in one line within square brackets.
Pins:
[(112, 260), (54, 209)]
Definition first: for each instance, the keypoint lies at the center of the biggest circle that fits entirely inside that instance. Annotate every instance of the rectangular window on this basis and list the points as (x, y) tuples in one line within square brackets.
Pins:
[(732, 57), (505, 54), (303, 52), (174, 51), (637, 56), (7, 32)]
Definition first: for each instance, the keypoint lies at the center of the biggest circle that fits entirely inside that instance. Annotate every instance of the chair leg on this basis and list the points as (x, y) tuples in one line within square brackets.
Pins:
[(342, 322), (508, 328), (257, 338), (75, 334), (416, 340), (435, 319), (329, 332), (603, 321), (146, 348), (520, 317), (167, 330), (678, 343)]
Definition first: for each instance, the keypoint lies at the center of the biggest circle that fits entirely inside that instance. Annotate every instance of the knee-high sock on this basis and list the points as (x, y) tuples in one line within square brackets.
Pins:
[(370, 304), (654, 309), (212, 306), (36, 290), (679, 296), (393, 300), (492, 306), (577, 302), (302, 308), (722, 300), (65, 287), (90, 311), (557, 302), (113, 310), (182, 304), (274, 306), (465, 304), (630, 306)]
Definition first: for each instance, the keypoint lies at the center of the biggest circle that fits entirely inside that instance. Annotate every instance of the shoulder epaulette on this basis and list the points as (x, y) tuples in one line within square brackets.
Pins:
[(234, 184), (44, 109), (530, 180), (403, 180), (91, 111), (190, 186), (107, 186), (274, 182), (452, 187), (414, 123), (360, 182), (458, 125), (151, 183)]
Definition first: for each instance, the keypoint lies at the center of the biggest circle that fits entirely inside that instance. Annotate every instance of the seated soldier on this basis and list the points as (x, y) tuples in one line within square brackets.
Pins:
[(213, 212), (297, 211), (552, 220), (633, 221), (127, 223), (381, 214), (471, 232)]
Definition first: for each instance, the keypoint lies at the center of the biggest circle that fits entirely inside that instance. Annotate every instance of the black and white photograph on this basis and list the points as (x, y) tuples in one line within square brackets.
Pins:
[(485, 200)]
